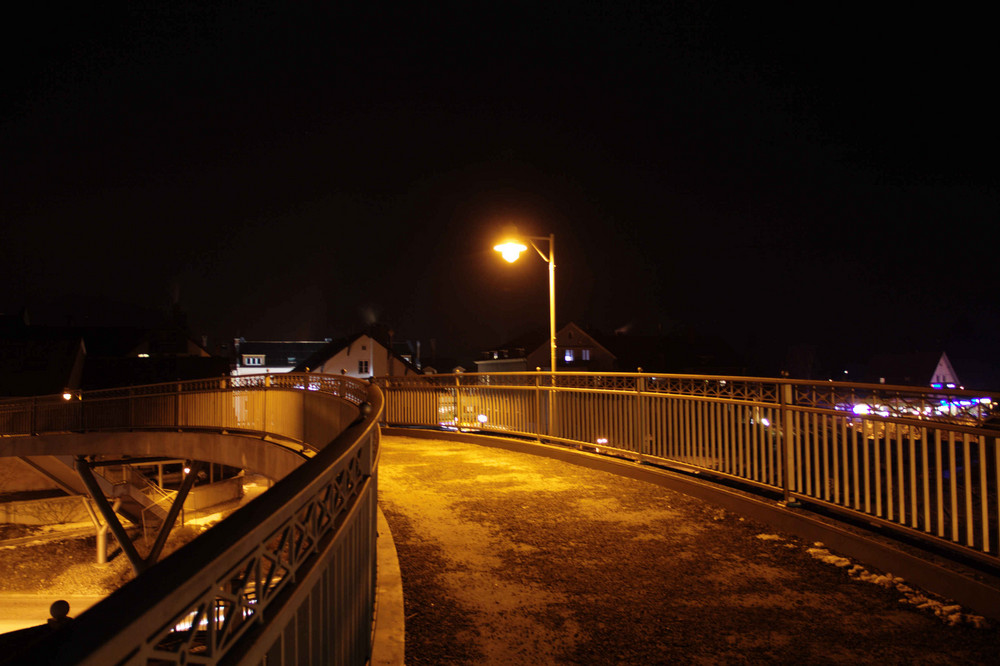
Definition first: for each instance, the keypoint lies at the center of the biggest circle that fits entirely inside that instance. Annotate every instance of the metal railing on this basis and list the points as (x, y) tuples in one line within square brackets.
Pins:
[(287, 579), (925, 462), (233, 404)]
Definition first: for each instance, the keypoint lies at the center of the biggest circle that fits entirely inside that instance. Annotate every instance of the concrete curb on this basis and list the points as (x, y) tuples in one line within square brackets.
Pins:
[(389, 639)]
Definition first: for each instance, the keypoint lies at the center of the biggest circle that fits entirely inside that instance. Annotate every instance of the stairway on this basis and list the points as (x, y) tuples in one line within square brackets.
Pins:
[(142, 502)]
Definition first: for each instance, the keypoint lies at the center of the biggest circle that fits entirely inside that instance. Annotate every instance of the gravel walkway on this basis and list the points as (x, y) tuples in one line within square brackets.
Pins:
[(510, 558)]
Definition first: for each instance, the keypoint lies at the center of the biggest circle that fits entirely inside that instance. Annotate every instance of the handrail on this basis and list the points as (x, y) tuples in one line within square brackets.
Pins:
[(233, 592), (924, 462), (233, 404)]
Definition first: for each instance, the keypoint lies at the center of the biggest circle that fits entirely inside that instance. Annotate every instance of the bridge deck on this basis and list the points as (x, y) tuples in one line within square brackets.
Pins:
[(514, 558)]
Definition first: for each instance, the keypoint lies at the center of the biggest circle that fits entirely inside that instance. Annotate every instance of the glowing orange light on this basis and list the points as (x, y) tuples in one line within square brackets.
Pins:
[(510, 250)]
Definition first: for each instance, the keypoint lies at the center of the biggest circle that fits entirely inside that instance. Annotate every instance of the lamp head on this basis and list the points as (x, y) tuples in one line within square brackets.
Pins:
[(510, 250)]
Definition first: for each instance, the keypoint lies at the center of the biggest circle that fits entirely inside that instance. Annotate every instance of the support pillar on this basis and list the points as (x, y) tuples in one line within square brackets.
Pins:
[(110, 517)]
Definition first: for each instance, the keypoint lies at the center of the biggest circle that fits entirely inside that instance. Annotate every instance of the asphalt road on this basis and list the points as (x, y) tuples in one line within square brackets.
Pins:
[(510, 558)]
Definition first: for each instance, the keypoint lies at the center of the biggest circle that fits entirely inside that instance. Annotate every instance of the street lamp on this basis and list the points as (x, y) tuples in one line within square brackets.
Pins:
[(511, 249)]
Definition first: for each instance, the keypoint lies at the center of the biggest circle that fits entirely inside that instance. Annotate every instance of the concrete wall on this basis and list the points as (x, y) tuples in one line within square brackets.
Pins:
[(208, 495), (50, 511), (18, 476)]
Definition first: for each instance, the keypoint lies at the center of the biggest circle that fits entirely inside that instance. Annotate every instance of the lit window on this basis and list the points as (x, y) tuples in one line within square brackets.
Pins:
[(362, 367), (585, 354), (257, 360), (568, 356)]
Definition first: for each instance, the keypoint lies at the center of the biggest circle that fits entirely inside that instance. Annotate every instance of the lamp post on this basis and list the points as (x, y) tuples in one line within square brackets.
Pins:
[(511, 249)]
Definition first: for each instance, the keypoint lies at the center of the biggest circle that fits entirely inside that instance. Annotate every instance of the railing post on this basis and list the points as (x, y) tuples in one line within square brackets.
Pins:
[(786, 400), (177, 407), (550, 429), (538, 410), (263, 415), (458, 402), (640, 428)]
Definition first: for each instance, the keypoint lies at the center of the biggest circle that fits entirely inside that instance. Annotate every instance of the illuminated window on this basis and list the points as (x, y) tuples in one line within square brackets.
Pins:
[(568, 356), (585, 354), (257, 360), (362, 367)]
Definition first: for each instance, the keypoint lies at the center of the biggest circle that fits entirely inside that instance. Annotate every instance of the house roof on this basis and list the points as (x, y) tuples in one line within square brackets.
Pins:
[(907, 369), (534, 340), (334, 347), (290, 353), (684, 350)]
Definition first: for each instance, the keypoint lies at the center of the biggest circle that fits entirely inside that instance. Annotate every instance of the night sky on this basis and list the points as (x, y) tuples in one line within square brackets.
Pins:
[(825, 177)]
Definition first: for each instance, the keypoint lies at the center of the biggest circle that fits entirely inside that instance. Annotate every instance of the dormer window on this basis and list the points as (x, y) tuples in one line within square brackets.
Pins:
[(256, 360)]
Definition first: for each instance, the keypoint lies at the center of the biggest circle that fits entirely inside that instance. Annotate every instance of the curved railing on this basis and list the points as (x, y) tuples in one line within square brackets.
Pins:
[(287, 579), (272, 405), (925, 462)]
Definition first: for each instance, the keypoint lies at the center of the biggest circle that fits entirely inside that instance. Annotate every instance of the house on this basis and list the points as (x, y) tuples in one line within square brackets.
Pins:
[(254, 357), (680, 350), (914, 369), (130, 356), (38, 360), (362, 356), (42, 360), (576, 350)]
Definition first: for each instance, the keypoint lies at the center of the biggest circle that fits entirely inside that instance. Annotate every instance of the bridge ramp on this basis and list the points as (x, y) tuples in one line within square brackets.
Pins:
[(514, 558)]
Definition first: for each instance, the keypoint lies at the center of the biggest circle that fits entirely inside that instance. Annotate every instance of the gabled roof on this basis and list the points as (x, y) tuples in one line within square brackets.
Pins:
[(281, 353), (684, 350), (324, 353), (537, 339), (909, 369), (334, 347)]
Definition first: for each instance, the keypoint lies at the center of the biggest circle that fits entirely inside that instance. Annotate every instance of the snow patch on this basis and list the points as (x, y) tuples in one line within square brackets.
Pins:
[(951, 614), (770, 537), (824, 555)]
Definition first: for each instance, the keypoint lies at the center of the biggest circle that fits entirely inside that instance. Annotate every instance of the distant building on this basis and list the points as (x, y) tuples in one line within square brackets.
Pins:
[(362, 356), (131, 355), (254, 357), (916, 369), (683, 350), (576, 350), (38, 360), (944, 375), (44, 360)]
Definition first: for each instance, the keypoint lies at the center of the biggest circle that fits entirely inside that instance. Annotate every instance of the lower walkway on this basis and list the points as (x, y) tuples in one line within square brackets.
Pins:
[(510, 558)]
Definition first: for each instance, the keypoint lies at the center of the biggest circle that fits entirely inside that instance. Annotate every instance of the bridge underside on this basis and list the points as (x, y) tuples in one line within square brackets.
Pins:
[(254, 454), (66, 459)]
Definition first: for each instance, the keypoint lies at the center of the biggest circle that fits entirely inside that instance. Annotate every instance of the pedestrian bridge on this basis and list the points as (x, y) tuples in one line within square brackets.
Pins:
[(290, 578)]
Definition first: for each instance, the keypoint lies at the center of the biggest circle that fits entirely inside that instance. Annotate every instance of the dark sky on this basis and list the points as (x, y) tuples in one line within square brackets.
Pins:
[(825, 177)]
